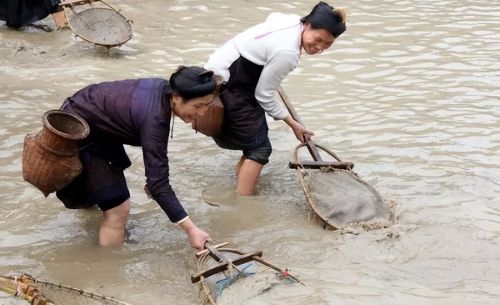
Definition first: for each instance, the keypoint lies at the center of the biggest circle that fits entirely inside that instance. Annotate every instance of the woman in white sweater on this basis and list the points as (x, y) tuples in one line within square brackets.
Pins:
[(253, 64)]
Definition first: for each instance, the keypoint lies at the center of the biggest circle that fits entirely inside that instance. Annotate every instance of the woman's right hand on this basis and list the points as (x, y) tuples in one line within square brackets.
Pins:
[(301, 133)]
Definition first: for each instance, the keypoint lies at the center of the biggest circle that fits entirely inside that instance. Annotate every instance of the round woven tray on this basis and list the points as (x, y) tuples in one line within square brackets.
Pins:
[(102, 26)]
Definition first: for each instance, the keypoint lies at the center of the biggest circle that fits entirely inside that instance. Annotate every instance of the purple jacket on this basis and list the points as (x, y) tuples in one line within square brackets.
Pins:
[(133, 112)]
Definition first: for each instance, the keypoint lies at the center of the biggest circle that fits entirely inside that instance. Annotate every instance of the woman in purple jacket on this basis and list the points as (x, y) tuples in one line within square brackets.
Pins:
[(134, 112)]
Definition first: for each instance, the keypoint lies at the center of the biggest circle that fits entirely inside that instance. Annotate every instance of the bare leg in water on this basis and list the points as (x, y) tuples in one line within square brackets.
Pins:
[(112, 229), (248, 172)]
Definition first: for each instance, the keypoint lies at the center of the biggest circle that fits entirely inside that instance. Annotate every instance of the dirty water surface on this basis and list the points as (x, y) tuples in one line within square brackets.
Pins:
[(409, 94)]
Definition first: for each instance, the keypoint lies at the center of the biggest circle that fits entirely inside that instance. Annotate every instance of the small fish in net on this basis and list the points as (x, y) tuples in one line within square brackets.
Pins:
[(218, 282), (260, 288), (44, 293), (240, 283), (341, 198)]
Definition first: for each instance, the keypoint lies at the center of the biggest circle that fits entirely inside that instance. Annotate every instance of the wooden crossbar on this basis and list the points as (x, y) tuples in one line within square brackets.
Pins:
[(245, 258)]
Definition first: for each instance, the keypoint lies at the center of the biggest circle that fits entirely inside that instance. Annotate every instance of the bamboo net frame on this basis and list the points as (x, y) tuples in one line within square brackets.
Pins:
[(44, 293)]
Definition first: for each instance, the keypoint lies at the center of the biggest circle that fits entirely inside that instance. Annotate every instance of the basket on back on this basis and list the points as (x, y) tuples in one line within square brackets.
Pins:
[(211, 123), (50, 157)]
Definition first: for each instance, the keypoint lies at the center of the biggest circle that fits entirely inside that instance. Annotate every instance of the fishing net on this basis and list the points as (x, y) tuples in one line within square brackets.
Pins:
[(240, 283), (100, 25), (44, 293), (340, 197), (343, 198), (336, 194), (260, 288)]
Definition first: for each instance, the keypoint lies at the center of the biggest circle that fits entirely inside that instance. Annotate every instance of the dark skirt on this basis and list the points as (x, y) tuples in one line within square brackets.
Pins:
[(20, 12), (101, 182)]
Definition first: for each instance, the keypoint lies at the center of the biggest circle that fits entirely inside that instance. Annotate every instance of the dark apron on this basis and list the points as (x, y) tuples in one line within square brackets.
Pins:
[(243, 116), (20, 12)]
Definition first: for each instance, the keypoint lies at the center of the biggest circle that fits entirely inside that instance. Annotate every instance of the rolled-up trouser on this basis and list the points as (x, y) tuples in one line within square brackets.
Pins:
[(257, 148), (100, 183)]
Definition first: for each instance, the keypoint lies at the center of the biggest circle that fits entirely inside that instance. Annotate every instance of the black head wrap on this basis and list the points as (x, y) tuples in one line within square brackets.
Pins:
[(322, 16), (192, 82)]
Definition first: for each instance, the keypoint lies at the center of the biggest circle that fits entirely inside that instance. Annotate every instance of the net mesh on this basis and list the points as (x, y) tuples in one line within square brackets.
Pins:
[(44, 293), (342, 198), (257, 289), (101, 26), (218, 283), (61, 295)]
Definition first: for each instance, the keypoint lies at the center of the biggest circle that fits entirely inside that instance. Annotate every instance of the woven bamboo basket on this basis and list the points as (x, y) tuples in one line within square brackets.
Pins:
[(211, 123), (50, 157)]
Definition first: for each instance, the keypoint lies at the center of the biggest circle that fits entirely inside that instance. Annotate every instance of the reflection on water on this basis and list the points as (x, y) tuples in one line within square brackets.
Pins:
[(409, 94)]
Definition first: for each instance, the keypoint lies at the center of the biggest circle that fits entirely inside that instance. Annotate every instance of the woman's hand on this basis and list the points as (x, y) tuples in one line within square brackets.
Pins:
[(197, 237), (301, 133)]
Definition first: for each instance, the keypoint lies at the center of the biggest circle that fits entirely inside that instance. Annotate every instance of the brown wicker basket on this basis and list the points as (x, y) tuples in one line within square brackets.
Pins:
[(50, 157), (211, 123)]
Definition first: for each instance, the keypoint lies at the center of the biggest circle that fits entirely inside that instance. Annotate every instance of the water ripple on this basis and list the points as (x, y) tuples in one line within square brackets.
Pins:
[(409, 94)]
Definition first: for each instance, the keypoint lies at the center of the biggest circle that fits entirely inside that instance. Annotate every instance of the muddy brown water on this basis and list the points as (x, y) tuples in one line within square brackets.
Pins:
[(410, 94)]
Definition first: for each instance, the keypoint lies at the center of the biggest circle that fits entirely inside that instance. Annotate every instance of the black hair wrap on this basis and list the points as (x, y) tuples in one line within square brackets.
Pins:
[(322, 16), (192, 82)]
